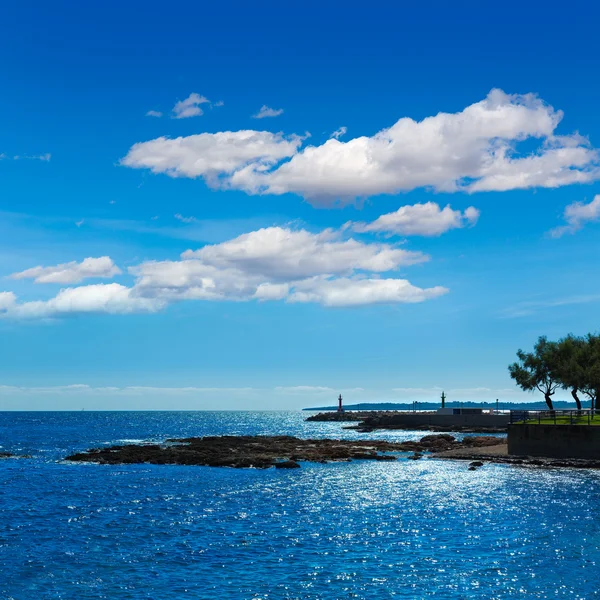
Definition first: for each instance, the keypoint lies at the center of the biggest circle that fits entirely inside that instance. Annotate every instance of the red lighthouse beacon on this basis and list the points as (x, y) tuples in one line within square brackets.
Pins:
[(340, 408)]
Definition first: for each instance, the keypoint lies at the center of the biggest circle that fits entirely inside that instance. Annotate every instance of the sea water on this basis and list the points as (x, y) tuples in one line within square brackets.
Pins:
[(407, 529)]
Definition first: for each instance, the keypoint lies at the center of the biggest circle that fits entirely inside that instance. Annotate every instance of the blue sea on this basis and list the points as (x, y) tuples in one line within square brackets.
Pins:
[(409, 529)]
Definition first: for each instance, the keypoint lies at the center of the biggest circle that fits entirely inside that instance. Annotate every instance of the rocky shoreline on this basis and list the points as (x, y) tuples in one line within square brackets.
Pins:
[(262, 452), (498, 454)]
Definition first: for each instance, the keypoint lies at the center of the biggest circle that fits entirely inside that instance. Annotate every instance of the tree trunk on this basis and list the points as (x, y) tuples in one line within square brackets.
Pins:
[(576, 398), (548, 399), (597, 399)]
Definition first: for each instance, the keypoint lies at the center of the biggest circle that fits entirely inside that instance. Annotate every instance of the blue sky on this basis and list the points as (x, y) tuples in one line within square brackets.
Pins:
[(244, 262)]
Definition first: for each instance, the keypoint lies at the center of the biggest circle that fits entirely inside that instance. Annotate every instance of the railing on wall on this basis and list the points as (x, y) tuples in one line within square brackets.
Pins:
[(555, 417)]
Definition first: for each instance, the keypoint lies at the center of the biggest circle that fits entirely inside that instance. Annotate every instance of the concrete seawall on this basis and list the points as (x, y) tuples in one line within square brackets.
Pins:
[(554, 441), (408, 420)]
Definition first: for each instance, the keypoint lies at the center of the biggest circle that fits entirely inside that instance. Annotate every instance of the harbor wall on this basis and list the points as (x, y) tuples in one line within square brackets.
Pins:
[(408, 420), (554, 441)]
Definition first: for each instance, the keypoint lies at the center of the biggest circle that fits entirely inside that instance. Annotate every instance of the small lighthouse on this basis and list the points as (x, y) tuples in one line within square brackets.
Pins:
[(340, 407)]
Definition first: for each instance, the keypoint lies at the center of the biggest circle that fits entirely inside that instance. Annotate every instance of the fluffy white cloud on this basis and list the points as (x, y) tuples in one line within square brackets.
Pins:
[(190, 107), (109, 298), (282, 253), (472, 150), (270, 264), (359, 292), (7, 301), (154, 113), (577, 215), (71, 272), (213, 155), (266, 111), (278, 263), (420, 219)]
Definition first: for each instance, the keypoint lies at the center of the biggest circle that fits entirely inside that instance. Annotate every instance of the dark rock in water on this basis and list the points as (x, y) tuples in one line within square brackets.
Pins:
[(475, 464), (262, 452), (288, 464), (11, 455), (259, 452), (415, 456)]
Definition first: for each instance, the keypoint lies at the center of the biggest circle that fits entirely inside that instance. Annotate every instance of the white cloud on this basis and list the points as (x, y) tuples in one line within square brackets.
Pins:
[(43, 157), (154, 113), (277, 263), (420, 219), (71, 272), (270, 264), (282, 253), (473, 150), (338, 133), (360, 292), (213, 155), (272, 291), (190, 107), (218, 104), (266, 111), (7, 301), (183, 219), (111, 298), (577, 215)]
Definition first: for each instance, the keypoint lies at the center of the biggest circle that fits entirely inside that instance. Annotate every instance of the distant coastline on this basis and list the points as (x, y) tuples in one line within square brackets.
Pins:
[(559, 405)]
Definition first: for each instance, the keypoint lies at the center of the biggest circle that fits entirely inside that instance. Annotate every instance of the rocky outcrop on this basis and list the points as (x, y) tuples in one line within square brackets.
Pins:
[(284, 452), (260, 452)]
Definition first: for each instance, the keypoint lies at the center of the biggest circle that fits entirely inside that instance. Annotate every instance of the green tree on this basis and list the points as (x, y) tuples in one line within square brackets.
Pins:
[(589, 368), (537, 370), (567, 365)]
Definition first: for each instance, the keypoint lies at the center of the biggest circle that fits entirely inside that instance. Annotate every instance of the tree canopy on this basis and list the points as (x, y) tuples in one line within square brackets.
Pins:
[(572, 363)]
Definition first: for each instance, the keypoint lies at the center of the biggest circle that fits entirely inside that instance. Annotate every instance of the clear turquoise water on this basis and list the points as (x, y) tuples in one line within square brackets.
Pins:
[(411, 529)]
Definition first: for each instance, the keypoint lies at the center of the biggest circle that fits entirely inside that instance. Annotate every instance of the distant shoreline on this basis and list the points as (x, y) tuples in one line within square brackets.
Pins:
[(421, 406)]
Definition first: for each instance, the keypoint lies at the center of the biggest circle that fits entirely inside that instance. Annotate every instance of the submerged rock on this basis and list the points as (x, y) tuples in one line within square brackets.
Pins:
[(287, 464)]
